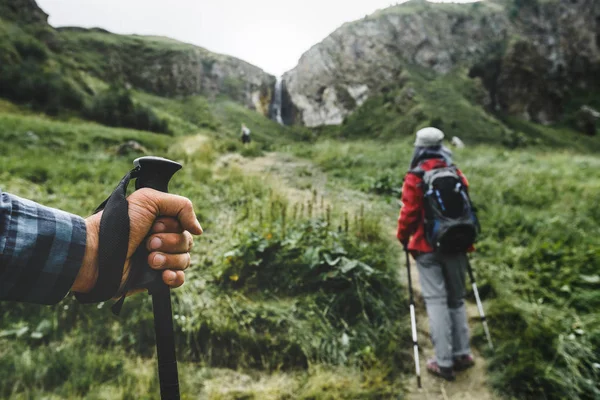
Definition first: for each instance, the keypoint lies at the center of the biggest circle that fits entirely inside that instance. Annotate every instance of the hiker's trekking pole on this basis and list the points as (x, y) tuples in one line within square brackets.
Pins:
[(413, 321), (479, 305), (155, 173)]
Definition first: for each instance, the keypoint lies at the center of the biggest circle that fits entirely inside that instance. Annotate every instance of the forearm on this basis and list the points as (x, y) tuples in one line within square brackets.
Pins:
[(88, 273), (41, 251)]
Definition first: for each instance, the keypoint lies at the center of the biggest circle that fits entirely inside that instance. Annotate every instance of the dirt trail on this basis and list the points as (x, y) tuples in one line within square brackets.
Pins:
[(297, 178), (191, 144)]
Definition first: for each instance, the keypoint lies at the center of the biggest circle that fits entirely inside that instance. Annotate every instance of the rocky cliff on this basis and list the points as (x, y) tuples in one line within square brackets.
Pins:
[(529, 54), (158, 65), (167, 67), (23, 11)]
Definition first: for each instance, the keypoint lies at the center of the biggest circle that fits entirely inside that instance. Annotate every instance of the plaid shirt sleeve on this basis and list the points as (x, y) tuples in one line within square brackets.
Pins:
[(41, 251)]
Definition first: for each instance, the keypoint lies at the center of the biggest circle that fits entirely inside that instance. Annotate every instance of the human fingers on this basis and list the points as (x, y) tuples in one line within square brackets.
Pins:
[(166, 225), (173, 279), (171, 243), (158, 261), (146, 203)]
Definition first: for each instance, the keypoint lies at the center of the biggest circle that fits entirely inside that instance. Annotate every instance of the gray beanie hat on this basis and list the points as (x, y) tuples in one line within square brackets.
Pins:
[(429, 137)]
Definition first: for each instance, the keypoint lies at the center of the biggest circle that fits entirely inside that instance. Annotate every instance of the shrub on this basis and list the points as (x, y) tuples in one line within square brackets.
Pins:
[(389, 184), (46, 90), (347, 301), (115, 107)]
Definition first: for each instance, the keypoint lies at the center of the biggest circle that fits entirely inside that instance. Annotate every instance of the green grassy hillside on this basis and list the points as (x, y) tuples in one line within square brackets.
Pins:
[(455, 103), (295, 290), (535, 262)]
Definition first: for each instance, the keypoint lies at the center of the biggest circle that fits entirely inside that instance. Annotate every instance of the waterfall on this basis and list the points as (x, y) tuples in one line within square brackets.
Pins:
[(277, 101)]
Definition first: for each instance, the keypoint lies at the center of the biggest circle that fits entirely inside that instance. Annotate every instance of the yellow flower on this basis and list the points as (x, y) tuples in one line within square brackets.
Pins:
[(234, 277), (269, 236)]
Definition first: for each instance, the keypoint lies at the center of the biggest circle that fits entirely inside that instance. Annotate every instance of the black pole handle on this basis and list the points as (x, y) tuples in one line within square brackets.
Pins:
[(155, 173)]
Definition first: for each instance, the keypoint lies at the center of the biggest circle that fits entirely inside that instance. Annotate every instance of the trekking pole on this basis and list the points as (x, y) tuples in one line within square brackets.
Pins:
[(155, 173), (413, 322), (479, 305)]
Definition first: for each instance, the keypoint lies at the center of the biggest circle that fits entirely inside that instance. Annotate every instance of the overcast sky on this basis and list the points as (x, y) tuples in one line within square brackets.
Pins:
[(271, 34)]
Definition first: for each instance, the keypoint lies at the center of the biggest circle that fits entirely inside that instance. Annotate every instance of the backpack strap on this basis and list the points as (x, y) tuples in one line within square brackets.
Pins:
[(417, 171)]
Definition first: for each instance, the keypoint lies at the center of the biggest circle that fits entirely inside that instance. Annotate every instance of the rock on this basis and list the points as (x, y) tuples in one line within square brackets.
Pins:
[(31, 137), (130, 147), (528, 57), (22, 11), (586, 120), (169, 68)]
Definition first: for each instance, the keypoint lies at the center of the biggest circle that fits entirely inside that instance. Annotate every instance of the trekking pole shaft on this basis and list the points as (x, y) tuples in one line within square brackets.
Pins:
[(165, 343), (480, 306), (413, 323)]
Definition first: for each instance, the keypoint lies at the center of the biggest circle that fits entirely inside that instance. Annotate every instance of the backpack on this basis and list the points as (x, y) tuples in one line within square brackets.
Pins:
[(451, 224)]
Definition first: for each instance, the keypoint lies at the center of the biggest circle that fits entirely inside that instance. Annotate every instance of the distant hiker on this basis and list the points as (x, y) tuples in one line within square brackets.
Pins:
[(245, 134), (437, 226), (456, 142)]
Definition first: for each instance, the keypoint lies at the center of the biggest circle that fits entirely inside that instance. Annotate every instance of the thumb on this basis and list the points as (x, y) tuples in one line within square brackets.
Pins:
[(169, 205)]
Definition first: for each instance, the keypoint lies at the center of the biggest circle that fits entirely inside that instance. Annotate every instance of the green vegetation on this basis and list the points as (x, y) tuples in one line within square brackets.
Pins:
[(115, 107), (286, 289), (346, 314), (30, 75), (295, 290), (536, 260)]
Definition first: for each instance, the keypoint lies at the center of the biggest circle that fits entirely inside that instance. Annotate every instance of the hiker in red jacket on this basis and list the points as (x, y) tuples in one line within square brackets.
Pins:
[(441, 275)]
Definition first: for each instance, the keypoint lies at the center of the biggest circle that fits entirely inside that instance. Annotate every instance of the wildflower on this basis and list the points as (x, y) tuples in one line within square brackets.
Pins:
[(234, 277)]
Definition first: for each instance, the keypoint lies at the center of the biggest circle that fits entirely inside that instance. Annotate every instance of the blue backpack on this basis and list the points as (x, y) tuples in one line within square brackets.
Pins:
[(451, 224)]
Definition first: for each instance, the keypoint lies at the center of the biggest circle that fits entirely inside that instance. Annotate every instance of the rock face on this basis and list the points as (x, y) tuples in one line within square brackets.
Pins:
[(167, 67), (23, 11), (157, 65), (587, 119), (528, 53)]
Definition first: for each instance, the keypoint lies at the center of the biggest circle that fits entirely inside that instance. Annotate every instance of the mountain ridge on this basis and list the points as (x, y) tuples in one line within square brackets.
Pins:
[(161, 66), (527, 53)]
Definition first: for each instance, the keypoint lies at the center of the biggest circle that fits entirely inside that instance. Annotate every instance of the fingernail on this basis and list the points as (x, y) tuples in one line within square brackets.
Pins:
[(155, 243), (159, 227), (159, 260)]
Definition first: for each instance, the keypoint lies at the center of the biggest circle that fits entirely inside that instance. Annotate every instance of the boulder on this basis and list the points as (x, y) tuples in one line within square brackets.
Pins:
[(131, 147), (586, 120)]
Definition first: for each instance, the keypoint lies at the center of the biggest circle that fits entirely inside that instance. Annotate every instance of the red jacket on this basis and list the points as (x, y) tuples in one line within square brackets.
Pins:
[(411, 223)]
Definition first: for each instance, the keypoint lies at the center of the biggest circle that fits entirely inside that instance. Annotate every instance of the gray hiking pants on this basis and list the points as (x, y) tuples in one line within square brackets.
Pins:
[(442, 278)]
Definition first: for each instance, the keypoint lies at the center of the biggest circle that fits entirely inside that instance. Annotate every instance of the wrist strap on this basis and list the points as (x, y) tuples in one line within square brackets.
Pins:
[(112, 245)]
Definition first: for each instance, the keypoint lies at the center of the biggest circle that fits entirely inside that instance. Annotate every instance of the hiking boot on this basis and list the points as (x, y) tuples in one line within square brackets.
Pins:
[(442, 372), (463, 362)]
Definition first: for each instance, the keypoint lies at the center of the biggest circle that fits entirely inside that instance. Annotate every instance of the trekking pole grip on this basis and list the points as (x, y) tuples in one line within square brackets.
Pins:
[(155, 173)]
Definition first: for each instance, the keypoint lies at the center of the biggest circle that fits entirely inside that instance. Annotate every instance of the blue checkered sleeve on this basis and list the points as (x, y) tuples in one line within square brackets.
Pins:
[(41, 251)]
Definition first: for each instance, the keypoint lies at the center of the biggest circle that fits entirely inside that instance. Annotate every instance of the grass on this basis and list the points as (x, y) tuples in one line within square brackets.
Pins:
[(258, 304), (284, 333), (535, 260), (292, 298)]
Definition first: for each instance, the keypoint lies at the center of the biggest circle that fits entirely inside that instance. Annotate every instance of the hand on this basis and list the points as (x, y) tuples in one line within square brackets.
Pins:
[(404, 244), (171, 221)]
